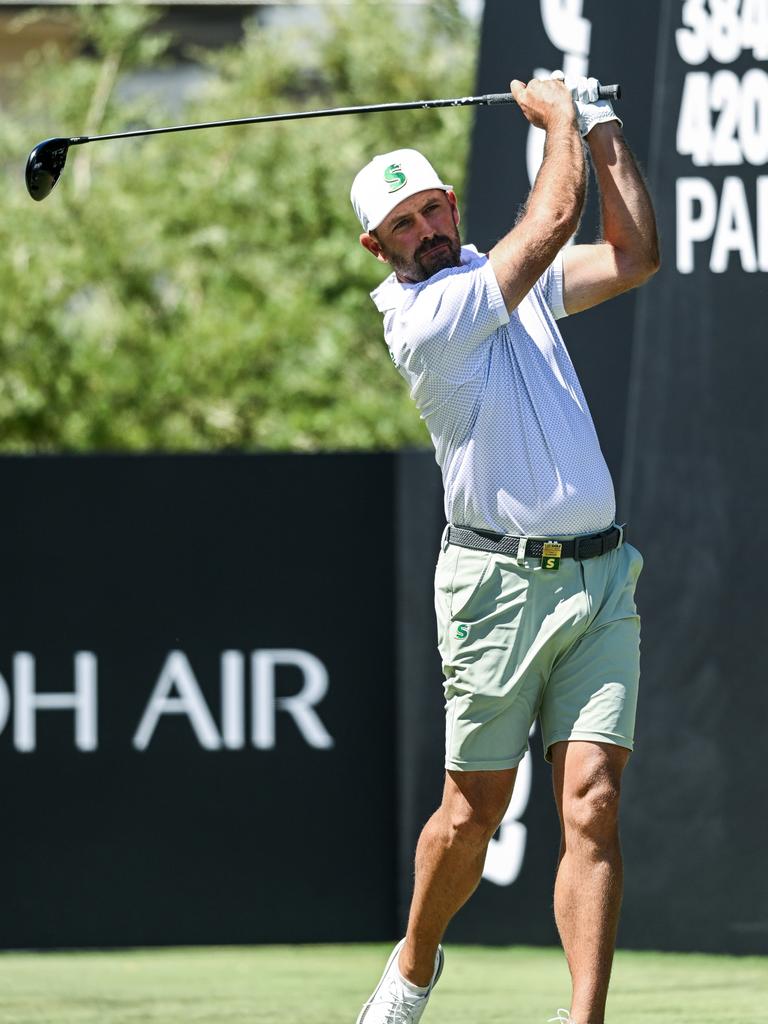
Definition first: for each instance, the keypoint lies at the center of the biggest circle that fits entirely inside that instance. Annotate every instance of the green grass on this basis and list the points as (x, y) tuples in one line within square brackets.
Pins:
[(327, 984)]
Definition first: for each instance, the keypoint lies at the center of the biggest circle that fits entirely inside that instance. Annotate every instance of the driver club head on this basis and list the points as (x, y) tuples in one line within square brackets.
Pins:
[(44, 166)]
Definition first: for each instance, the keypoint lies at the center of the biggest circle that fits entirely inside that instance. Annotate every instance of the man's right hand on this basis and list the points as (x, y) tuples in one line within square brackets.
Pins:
[(546, 103)]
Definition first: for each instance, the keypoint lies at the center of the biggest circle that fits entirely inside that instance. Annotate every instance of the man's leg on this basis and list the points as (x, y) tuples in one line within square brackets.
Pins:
[(449, 861), (588, 889)]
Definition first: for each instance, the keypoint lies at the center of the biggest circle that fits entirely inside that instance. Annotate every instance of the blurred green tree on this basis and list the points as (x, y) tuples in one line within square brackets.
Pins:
[(206, 290)]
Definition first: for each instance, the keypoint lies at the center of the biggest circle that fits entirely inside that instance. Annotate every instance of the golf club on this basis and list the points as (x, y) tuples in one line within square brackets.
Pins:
[(46, 161)]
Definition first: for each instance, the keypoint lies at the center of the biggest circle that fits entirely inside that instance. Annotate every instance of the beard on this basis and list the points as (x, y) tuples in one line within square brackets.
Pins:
[(438, 253)]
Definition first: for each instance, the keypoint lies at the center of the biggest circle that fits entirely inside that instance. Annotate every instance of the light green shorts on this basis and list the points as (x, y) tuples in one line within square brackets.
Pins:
[(518, 641)]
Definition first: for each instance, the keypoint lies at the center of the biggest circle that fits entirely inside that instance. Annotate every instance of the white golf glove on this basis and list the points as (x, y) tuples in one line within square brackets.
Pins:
[(589, 109)]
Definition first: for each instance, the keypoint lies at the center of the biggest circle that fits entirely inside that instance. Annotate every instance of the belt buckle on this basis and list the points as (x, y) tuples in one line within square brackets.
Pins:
[(551, 553)]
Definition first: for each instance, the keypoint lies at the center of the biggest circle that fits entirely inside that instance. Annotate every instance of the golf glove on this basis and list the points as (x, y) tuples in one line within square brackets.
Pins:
[(589, 109)]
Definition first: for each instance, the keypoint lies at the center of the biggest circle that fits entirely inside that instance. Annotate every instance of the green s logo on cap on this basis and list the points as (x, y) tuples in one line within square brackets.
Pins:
[(394, 177)]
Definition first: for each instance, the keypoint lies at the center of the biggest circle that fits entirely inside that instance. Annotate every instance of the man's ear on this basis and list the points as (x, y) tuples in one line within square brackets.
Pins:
[(454, 207), (371, 243)]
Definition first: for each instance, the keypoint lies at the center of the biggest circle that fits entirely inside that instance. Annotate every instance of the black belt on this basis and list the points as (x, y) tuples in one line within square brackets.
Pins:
[(590, 546)]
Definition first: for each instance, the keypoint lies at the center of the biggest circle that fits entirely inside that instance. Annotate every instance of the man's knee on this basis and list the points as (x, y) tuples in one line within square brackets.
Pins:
[(474, 826), (474, 807), (591, 809)]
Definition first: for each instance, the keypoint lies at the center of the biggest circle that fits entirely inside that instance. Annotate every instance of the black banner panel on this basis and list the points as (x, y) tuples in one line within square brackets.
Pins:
[(196, 700), (683, 355), (696, 492), (221, 716)]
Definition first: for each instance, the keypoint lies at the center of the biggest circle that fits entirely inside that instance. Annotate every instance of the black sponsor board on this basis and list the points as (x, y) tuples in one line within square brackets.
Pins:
[(682, 355), (696, 494), (222, 717), (218, 765)]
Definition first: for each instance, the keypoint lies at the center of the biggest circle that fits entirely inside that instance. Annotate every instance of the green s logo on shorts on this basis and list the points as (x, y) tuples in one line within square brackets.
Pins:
[(462, 631), (394, 177)]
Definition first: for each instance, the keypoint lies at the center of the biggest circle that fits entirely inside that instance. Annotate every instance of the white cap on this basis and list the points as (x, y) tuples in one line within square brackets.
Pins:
[(389, 179)]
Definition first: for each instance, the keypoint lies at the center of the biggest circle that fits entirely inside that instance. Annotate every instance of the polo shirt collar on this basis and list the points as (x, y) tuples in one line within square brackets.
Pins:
[(390, 292)]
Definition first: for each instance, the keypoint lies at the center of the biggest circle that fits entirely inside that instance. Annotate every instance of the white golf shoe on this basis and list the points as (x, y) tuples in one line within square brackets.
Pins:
[(390, 1002), (563, 1017)]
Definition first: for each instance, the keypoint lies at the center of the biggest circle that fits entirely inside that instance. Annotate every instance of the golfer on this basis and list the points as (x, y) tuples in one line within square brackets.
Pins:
[(534, 588)]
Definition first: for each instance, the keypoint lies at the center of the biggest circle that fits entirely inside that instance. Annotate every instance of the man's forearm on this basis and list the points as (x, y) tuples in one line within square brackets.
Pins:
[(557, 197), (628, 219), (551, 216)]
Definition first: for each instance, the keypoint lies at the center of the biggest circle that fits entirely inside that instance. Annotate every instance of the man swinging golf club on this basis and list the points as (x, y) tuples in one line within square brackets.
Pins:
[(534, 588)]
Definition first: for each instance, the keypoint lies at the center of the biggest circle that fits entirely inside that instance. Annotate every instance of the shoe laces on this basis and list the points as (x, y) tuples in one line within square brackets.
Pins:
[(563, 1017), (399, 1014), (398, 1010)]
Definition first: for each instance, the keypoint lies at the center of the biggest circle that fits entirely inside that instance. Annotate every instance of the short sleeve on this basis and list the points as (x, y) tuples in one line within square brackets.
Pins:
[(551, 284), (448, 316)]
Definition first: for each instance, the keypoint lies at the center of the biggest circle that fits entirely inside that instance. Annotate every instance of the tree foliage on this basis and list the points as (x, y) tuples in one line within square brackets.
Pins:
[(206, 290)]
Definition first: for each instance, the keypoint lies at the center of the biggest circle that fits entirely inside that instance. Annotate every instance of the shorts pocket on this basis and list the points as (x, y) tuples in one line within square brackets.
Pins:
[(470, 572)]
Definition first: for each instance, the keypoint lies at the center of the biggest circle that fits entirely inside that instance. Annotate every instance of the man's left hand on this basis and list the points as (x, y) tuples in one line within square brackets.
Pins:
[(590, 110)]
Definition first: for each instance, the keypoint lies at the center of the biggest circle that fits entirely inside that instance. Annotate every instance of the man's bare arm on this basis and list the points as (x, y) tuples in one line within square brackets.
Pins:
[(629, 252), (555, 203)]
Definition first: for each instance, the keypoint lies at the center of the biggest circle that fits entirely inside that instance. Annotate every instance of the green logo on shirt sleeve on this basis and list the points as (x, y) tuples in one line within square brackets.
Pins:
[(394, 177), (462, 631)]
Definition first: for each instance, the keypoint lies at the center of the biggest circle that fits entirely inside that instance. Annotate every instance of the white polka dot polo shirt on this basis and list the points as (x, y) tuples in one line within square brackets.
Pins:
[(512, 432)]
